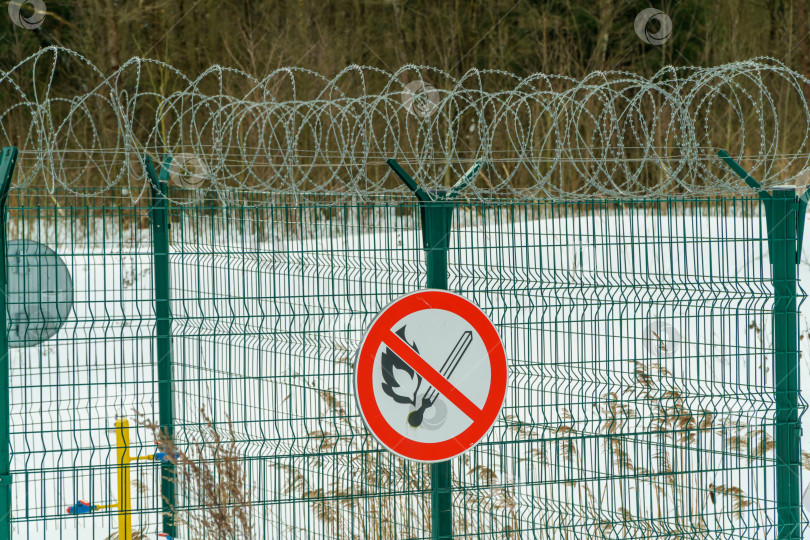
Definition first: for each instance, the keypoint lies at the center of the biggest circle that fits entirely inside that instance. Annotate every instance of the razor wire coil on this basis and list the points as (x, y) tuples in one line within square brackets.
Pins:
[(297, 132)]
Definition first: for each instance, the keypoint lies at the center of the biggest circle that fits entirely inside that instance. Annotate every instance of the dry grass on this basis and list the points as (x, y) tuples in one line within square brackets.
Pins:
[(371, 494), (347, 504), (686, 495), (211, 479), (136, 535), (378, 496), (354, 491)]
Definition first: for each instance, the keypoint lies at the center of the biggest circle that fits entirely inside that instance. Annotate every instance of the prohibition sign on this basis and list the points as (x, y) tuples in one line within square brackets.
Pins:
[(430, 376)]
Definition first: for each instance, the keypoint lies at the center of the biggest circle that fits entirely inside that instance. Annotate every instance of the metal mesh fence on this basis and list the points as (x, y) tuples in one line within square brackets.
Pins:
[(641, 398)]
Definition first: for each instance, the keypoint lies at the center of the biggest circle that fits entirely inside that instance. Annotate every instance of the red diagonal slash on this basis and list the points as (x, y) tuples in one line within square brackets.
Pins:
[(433, 377)]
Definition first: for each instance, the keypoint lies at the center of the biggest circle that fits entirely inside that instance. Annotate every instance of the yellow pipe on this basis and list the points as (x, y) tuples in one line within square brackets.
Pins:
[(123, 459)]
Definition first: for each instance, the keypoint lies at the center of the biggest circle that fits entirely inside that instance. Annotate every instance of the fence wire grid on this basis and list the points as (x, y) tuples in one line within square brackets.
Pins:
[(639, 338)]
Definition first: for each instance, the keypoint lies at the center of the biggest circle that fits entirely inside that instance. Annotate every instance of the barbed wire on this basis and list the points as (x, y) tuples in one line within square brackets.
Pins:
[(297, 132)]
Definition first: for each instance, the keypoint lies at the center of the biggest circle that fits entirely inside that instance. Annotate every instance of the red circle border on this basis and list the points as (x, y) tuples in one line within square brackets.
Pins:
[(364, 368)]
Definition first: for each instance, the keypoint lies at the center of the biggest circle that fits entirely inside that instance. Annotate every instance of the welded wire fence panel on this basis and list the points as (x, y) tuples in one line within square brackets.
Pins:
[(270, 302), (67, 391), (640, 401)]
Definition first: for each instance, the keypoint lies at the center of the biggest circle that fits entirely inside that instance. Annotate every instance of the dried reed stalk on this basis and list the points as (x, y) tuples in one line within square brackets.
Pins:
[(211, 478)]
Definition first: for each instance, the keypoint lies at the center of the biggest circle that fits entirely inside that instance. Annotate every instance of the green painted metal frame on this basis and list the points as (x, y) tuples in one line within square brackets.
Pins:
[(785, 223), (159, 217), (436, 211), (784, 214), (8, 159)]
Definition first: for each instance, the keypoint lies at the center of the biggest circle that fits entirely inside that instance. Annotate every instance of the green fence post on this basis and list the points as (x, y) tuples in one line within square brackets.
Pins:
[(8, 159), (782, 229), (159, 217), (436, 210), (437, 218), (784, 216)]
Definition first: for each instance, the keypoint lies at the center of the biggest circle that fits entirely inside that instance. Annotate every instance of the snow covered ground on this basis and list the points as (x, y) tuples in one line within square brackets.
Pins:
[(639, 400)]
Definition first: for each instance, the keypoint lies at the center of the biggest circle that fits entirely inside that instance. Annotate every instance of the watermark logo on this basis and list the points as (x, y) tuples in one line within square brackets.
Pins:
[(187, 171), (578, 259), (645, 24), (662, 339), (135, 167), (420, 98), (434, 417), (28, 14)]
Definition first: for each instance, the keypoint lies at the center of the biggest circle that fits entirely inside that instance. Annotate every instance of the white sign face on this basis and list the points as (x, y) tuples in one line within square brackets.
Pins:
[(430, 376)]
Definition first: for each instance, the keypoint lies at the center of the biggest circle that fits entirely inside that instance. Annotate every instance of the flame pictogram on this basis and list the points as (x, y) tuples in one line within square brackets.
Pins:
[(401, 381)]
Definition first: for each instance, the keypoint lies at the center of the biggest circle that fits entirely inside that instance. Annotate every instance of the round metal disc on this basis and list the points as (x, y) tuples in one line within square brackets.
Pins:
[(39, 291)]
